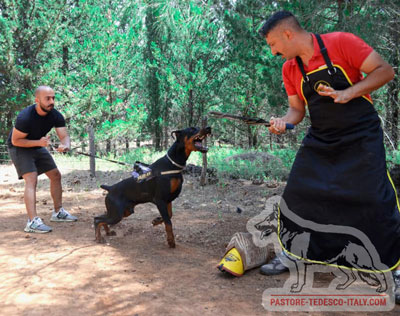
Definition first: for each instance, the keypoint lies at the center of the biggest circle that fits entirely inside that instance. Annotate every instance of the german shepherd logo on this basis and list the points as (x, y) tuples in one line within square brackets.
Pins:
[(357, 257)]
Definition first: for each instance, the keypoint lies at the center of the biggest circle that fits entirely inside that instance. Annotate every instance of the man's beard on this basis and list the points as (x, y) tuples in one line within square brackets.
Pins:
[(46, 110)]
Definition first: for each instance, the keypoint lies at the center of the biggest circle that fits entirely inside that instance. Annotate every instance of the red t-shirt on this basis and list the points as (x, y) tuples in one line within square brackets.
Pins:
[(344, 49)]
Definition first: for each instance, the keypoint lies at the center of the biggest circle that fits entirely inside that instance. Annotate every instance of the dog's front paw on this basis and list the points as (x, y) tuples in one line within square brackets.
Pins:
[(296, 288), (341, 286), (171, 244), (157, 221)]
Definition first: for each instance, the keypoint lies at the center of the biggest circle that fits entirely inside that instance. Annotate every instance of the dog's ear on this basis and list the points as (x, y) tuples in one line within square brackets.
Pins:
[(175, 134)]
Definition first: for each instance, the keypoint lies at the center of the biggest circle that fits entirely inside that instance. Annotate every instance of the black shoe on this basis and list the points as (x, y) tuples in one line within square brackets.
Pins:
[(274, 267), (396, 279)]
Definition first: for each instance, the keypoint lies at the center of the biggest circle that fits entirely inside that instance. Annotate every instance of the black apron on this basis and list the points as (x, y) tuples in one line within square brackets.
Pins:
[(339, 178)]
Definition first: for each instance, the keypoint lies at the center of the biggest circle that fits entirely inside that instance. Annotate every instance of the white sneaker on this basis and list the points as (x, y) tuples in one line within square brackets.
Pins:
[(37, 226), (62, 216)]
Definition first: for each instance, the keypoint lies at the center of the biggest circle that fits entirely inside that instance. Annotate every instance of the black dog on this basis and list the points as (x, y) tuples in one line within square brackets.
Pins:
[(161, 189)]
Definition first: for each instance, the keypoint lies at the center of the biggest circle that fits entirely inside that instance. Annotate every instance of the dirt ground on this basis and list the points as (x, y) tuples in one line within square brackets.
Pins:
[(134, 273)]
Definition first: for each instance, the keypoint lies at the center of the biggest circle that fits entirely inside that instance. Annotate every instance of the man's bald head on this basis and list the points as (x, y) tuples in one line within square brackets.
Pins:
[(44, 98), (41, 89), (280, 18)]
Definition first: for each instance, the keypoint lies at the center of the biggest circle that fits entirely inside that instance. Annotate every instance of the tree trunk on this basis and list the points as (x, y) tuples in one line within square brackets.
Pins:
[(203, 176), (92, 151), (158, 137), (126, 144), (153, 84), (190, 101), (65, 58), (190, 105), (138, 141), (166, 137), (167, 108), (108, 145), (249, 137), (255, 139), (251, 134), (344, 13)]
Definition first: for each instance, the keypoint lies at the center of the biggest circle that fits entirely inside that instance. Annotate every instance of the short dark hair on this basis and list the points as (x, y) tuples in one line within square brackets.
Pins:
[(275, 19)]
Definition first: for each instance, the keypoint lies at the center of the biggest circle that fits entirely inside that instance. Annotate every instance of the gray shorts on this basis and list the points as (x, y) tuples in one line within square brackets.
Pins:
[(31, 160)]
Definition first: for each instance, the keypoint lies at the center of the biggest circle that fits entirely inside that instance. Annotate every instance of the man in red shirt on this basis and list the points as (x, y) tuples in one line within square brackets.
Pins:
[(339, 177)]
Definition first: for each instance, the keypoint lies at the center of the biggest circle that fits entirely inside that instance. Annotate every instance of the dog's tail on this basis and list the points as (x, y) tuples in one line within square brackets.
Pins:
[(369, 278), (105, 187)]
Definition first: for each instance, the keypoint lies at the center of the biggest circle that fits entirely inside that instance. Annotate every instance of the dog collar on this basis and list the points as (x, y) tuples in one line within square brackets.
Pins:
[(174, 163), (170, 172)]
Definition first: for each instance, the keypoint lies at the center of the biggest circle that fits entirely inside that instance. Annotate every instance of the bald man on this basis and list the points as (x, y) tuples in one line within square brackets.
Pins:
[(27, 144)]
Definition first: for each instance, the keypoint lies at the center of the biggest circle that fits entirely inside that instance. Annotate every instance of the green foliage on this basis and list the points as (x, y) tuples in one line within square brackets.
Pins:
[(70, 161), (393, 157), (244, 169), (142, 154), (286, 155), (140, 69), (217, 158)]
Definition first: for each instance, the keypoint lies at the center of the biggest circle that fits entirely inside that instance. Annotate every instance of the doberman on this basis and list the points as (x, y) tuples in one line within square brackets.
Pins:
[(161, 189)]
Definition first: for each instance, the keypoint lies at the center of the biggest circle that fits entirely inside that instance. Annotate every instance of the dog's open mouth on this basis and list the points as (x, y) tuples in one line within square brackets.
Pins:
[(197, 142), (198, 139)]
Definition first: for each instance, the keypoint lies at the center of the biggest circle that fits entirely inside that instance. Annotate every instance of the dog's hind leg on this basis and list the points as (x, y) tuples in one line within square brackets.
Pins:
[(376, 278), (108, 231), (100, 221), (165, 210), (115, 211), (382, 282)]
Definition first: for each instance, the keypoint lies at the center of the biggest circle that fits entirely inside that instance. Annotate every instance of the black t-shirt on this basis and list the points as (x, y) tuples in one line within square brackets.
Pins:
[(29, 121)]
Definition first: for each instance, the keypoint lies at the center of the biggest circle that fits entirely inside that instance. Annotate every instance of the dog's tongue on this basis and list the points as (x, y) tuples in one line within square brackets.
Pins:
[(202, 149), (199, 146)]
